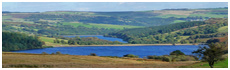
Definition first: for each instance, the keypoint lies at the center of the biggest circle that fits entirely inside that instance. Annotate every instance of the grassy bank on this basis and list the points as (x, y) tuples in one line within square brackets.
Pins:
[(50, 41), (24, 60), (220, 64)]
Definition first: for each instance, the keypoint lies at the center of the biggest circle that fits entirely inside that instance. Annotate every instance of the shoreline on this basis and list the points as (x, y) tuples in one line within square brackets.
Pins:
[(117, 45)]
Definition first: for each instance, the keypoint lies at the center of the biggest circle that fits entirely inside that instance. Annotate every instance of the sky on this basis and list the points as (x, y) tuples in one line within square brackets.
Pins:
[(104, 6)]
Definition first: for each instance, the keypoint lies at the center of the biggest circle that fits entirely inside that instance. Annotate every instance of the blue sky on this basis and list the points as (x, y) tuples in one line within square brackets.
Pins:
[(104, 6)]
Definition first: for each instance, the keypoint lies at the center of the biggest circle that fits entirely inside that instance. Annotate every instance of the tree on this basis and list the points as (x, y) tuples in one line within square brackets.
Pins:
[(213, 41), (177, 52), (62, 41), (55, 41), (212, 53)]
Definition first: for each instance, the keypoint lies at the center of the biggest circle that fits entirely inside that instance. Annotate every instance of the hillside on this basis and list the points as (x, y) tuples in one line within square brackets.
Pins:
[(99, 23), (193, 31)]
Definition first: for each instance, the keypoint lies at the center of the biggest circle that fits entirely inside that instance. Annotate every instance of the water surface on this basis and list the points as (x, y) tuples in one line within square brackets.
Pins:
[(141, 51)]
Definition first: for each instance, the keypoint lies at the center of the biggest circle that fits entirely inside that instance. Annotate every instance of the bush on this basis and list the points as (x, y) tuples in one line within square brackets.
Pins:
[(58, 52), (154, 57), (166, 58), (131, 55), (111, 56), (53, 53), (44, 53), (93, 54), (177, 52)]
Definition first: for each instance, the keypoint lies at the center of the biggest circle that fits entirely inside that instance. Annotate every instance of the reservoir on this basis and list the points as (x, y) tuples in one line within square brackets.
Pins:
[(141, 51)]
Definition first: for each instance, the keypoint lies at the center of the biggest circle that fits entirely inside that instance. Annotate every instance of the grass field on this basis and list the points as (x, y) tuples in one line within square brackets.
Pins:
[(183, 38), (6, 17), (178, 21), (172, 15), (223, 29), (220, 64), (90, 25), (23, 60), (50, 41), (209, 15)]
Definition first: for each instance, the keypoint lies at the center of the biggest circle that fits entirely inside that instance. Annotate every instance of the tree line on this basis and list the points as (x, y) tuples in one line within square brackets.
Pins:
[(12, 41), (85, 41), (172, 33)]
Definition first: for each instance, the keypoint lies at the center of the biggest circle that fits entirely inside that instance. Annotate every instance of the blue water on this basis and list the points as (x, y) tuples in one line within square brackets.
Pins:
[(141, 51), (99, 36)]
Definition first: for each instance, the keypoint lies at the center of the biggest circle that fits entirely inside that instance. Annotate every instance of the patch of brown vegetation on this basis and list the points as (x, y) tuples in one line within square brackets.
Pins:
[(20, 15), (11, 60), (175, 12)]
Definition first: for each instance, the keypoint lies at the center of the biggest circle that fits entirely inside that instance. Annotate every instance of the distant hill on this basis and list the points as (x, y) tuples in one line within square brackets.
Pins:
[(98, 23), (184, 32)]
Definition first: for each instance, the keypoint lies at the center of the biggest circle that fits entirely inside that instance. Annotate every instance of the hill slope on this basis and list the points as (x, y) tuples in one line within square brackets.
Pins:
[(173, 32), (98, 23)]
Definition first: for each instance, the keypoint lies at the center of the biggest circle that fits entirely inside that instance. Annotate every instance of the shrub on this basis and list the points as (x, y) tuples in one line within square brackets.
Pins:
[(111, 56), (53, 53), (93, 54), (166, 58), (58, 52), (44, 53), (131, 55), (177, 52), (154, 57)]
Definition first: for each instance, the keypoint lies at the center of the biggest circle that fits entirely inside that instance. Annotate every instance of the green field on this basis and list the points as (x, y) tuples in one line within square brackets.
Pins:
[(192, 15), (50, 41), (223, 29), (183, 38), (220, 64), (90, 25), (178, 21), (172, 15), (5, 17), (209, 15)]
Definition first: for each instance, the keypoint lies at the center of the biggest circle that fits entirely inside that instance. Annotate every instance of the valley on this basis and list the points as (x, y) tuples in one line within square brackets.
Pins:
[(123, 39)]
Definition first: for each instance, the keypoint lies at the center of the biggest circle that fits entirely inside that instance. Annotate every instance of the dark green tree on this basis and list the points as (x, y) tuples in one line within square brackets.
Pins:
[(62, 41), (177, 52), (211, 54)]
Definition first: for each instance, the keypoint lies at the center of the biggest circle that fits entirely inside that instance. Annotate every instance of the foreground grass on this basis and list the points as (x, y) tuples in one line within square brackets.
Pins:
[(19, 60), (220, 64)]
